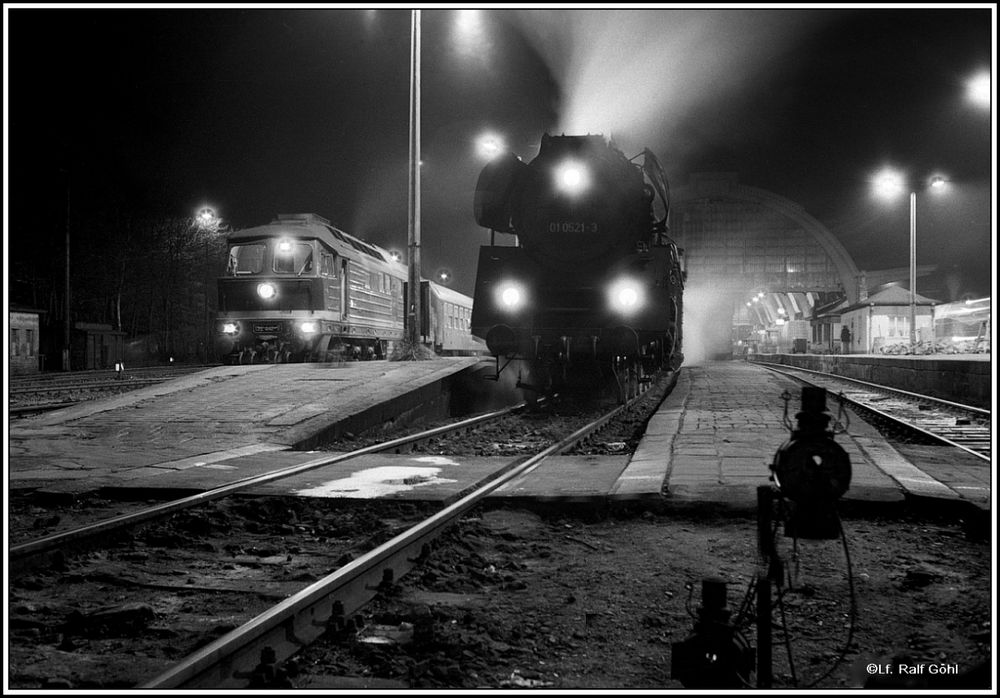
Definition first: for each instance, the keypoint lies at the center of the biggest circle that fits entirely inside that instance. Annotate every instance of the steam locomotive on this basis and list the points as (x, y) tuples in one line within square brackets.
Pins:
[(591, 291), (300, 289)]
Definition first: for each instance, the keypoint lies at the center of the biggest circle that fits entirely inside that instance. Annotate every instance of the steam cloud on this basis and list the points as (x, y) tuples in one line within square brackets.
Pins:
[(646, 76)]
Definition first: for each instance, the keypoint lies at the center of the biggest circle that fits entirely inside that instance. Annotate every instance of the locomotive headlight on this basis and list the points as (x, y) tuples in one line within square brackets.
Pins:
[(572, 177), (230, 328), (284, 247), (511, 297), (267, 290), (625, 296), (308, 327)]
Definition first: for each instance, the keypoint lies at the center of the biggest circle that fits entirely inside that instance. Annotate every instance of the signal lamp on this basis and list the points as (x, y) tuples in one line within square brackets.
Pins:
[(812, 471), (715, 654)]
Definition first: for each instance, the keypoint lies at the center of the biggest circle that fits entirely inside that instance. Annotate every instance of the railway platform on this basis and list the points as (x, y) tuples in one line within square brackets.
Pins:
[(197, 421), (963, 378), (709, 444)]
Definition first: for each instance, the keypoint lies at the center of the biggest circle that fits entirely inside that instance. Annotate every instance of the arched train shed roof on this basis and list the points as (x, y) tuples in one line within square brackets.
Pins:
[(748, 237)]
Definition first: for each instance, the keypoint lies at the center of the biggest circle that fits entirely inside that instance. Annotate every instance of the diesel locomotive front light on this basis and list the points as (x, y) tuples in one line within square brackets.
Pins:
[(511, 297), (308, 327), (230, 328), (267, 291), (811, 470), (284, 246)]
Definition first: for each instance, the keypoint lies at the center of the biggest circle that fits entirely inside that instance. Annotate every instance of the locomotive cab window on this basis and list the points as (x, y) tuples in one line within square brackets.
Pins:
[(328, 264), (293, 258), (246, 259)]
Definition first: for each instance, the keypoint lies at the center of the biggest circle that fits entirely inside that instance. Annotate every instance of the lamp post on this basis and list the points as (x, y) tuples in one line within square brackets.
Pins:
[(413, 217), (888, 184), (207, 222)]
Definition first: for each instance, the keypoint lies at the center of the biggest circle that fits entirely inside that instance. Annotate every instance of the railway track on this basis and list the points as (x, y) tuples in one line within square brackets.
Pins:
[(73, 378), (961, 426), (245, 655), (32, 394)]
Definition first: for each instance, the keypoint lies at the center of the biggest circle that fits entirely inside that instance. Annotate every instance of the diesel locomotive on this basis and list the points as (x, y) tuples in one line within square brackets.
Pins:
[(300, 289), (590, 293)]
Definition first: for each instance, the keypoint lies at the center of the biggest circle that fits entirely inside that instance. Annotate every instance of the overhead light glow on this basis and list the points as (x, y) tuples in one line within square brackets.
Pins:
[(979, 90), (888, 184), (489, 145)]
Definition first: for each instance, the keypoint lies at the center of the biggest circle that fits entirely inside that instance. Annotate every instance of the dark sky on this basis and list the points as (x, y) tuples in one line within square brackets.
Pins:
[(257, 111)]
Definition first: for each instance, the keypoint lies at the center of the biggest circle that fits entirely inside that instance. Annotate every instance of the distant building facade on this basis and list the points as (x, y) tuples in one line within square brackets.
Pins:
[(23, 355)]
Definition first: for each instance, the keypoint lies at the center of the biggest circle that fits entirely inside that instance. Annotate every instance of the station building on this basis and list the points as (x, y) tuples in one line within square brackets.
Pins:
[(756, 259), (764, 276)]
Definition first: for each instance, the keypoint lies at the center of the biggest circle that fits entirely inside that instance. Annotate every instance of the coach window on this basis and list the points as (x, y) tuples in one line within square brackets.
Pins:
[(246, 259), (297, 259)]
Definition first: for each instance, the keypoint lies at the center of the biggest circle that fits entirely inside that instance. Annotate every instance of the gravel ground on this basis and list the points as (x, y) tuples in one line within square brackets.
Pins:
[(522, 599)]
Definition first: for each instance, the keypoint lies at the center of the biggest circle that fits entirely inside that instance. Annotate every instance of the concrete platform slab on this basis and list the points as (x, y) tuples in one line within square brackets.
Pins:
[(566, 478), (203, 416), (718, 431)]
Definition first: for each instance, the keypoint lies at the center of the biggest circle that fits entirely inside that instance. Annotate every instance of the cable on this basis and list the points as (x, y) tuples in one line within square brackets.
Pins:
[(788, 639), (850, 627)]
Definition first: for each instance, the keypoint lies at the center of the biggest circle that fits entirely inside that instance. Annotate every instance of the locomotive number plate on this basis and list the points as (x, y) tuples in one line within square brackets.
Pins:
[(572, 227), (258, 328)]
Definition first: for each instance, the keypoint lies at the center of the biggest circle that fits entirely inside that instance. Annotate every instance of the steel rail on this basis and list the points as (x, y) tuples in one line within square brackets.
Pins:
[(41, 407), (17, 554), (283, 630), (878, 386), (88, 385), (93, 374), (788, 371)]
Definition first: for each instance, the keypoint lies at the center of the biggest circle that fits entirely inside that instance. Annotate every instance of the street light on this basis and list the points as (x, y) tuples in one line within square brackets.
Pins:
[(413, 227), (978, 89), (888, 184), (207, 221), (490, 145)]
